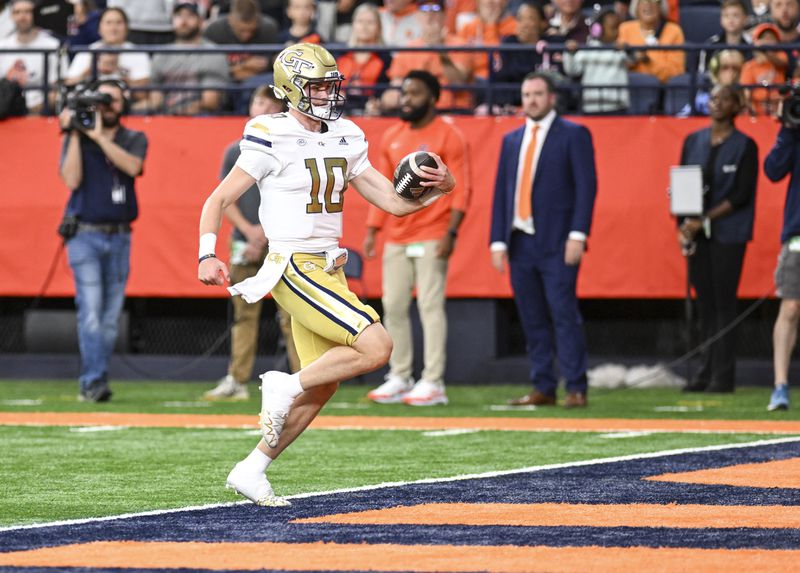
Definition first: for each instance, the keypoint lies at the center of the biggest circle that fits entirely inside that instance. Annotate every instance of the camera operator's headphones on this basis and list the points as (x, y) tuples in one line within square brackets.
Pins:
[(123, 87)]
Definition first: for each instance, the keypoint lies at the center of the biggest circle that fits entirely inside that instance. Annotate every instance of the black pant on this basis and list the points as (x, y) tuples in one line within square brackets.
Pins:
[(714, 271)]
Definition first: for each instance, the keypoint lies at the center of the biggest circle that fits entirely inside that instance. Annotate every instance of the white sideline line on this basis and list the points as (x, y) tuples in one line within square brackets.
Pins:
[(622, 435), (498, 473), (453, 432)]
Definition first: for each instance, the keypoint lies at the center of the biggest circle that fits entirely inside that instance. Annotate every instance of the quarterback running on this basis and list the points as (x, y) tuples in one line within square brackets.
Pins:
[(304, 161)]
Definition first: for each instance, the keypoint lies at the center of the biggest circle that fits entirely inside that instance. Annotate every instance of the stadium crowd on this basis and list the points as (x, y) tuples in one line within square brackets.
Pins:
[(595, 52)]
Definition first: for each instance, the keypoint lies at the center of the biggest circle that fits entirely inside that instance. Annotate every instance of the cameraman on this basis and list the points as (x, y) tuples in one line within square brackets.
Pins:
[(99, 165), (784, 158)]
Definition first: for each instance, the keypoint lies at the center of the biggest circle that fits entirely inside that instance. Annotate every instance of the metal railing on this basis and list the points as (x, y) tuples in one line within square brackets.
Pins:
[(486, 92)]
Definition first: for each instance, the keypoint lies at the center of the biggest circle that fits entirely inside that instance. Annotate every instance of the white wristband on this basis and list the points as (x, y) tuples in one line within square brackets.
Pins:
[(208, 242)]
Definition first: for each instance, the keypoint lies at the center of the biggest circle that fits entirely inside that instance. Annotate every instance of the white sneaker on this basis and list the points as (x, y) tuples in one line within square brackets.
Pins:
[(391, 391), (228, 389), (426, 393), (275, 407), (254, 486)]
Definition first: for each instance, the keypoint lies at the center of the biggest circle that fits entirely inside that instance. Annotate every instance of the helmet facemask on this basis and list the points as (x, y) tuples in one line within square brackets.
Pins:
[(327, 108)]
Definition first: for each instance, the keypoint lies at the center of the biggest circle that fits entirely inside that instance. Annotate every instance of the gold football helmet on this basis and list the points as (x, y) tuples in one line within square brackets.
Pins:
[(300, 66)]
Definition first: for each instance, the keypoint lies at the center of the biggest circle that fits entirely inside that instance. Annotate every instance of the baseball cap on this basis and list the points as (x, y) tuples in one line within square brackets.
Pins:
[(761, 29), (188, 5)]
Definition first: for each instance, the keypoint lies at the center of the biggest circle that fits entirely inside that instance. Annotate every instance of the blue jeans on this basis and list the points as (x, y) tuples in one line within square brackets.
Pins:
[(100, 264)]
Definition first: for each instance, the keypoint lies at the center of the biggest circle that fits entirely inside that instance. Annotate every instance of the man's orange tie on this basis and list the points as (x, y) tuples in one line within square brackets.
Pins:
[(526, 181)]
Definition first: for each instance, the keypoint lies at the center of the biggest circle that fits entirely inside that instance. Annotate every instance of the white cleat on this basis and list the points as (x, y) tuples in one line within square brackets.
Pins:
[(392, 390), (255, 487), (426, 393), (274, 408), (228, 389)]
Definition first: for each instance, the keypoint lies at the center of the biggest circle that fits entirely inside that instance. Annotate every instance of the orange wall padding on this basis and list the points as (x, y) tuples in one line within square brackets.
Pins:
[(633, 251)]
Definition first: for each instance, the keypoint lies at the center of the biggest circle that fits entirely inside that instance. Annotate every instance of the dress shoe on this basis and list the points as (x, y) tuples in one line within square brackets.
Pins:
[(696, 386), (535, 398), (576, 400)]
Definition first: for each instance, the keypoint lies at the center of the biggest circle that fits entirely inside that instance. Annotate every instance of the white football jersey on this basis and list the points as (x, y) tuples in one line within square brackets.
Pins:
[(303, 177)]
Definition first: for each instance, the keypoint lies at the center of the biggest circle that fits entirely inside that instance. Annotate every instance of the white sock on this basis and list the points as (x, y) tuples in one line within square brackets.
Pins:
[(293, 385), (257, 460)]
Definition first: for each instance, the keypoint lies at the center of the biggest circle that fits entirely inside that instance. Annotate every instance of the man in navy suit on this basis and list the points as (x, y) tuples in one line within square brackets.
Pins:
[(543, 201)]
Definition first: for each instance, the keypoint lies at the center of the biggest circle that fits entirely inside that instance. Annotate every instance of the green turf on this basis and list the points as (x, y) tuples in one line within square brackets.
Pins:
[(56, 473), (59, 396)]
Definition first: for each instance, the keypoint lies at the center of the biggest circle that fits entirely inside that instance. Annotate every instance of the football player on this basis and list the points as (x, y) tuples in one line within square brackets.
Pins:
[(303, 161)]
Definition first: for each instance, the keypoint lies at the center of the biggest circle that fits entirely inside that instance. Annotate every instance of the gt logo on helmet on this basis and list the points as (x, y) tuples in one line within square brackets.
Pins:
[(293, 61)]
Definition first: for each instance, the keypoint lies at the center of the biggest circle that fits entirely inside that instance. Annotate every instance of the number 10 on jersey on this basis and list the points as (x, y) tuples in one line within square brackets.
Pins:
[(331, 163)]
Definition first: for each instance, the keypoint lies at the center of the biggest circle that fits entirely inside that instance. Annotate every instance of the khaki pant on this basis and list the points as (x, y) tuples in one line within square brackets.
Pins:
[(400, 274), (244, 332)]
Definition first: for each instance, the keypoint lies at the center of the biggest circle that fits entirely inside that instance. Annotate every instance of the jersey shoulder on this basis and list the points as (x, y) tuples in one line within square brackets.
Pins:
[(270, 125), (345, 128)]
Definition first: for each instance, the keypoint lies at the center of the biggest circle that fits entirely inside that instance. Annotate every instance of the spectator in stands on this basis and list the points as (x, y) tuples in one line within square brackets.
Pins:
[(716, 242), (458, 13), (724, 69), (148, 20), (448, 68), (6, 22), (82, 28), (601, 68), (732, 19), (399, 22), (245, 25), (492, 23), (767, 68), (363, 69), (418, 247), (623, 9), (248, 249), (786, 16), (27, 69), (99, 166), (192, 70), (301, 29), (341, 18), (543, 202), (132, 67), (651, 29), (782, 160), (760, 13), (275, 9), (512, 67), (567, 23)]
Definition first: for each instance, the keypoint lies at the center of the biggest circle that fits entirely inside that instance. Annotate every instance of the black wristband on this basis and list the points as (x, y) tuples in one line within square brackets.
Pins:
[(208, 256), (452, 232)]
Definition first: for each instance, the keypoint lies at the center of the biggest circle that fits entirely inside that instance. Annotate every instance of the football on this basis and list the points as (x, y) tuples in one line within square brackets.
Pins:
[(408, 175)]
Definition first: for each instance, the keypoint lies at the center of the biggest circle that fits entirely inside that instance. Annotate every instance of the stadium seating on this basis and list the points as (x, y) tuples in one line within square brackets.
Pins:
[(699, 23), (645, 93), (678, 92)]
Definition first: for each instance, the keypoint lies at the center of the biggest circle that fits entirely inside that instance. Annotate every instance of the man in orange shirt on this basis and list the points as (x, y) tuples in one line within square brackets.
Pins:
[(491, 25), (448, 68), (418, 247)]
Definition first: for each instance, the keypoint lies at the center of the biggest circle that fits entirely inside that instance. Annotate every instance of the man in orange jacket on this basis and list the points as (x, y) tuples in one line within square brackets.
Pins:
[(418, 246)]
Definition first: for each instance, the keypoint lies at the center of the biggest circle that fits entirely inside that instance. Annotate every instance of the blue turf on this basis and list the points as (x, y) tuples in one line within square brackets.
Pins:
[(613, 483)]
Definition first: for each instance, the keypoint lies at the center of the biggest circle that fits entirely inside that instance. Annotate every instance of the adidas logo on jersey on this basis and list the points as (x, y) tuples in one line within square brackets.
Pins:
[(343, 141)]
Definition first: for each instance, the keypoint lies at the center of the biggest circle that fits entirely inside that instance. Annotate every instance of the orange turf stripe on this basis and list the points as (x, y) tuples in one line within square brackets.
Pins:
[(573, 515), (781, 473), (423, 558), (402, 423)]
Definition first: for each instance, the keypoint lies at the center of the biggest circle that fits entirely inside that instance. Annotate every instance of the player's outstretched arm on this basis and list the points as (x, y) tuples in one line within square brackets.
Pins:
[(211, 270)]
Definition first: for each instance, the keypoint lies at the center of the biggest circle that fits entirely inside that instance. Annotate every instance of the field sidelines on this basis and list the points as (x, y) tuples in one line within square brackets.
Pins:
[(492, 474)]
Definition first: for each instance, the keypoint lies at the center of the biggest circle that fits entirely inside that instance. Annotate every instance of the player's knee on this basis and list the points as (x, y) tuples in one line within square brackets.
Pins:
[(376, 346)]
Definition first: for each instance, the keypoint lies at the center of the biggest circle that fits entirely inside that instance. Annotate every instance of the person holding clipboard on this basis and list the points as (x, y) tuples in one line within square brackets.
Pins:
[(715, 242)]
